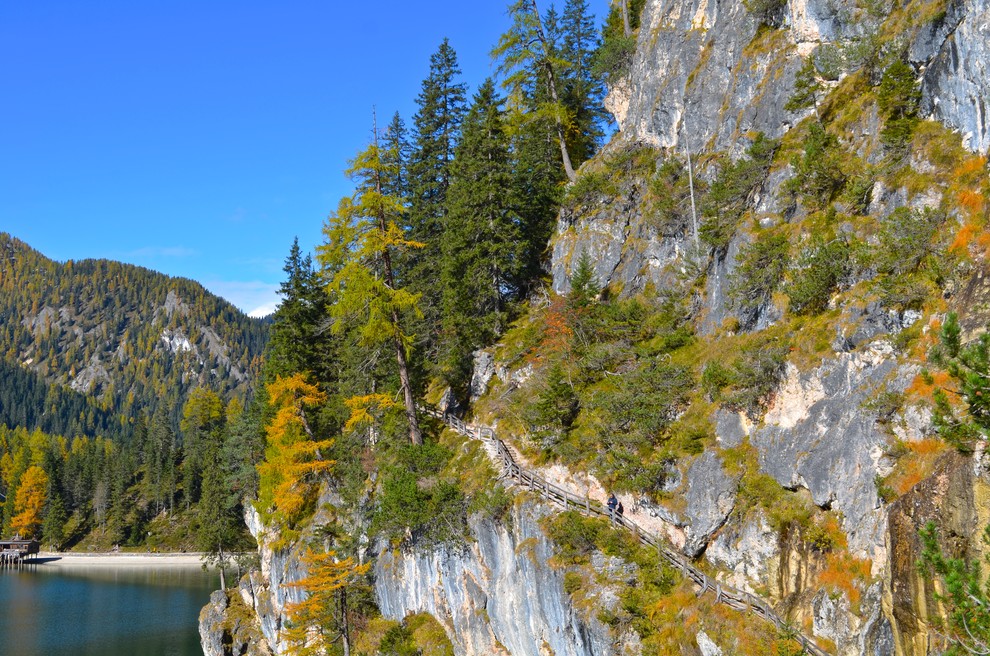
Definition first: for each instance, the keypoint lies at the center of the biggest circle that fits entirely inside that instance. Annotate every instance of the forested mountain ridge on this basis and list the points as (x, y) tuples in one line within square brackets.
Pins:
[(126, 337)]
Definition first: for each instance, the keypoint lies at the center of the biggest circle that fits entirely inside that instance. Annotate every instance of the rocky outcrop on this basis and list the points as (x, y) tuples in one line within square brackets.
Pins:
[(705, 73), (253, 613), (953, 51), (605, 225), (227, 627), (947, 499), (496, 595), (818, 435)]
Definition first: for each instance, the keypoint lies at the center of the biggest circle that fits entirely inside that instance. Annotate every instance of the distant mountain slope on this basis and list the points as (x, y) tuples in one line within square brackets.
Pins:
[(124, 336)]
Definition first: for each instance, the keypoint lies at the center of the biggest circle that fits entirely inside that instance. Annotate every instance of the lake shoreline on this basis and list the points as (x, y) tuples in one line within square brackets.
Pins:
[(72, 559)]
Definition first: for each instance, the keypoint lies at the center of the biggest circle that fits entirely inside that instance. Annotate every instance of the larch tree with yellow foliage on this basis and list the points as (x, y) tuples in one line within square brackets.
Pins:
[(294, 456), (29, 502), (321, 620), (363, 238)]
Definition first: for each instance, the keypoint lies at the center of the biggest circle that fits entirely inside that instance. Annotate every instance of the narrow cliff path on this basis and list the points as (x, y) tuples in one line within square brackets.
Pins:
[(735, 599)]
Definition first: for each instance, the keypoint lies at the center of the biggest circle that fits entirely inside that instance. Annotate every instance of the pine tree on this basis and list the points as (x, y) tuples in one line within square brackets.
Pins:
[(807, 89), (436, 131), (584, 286), (363, 239), (217, 513), (203, 419), (396, 154), (298, 340), (582, 91), (536, 193), (528, 59), (482, 254), (161, 457)]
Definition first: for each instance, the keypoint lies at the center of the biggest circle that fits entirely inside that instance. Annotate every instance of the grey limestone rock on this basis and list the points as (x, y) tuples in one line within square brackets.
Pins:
[(607, 231), (223, 633), (211, 619), (869, 322), (819, 435), (497, 595), (707, 645), (481, 375), (954, 52), (711, 495), (730, 431), (746, 549)]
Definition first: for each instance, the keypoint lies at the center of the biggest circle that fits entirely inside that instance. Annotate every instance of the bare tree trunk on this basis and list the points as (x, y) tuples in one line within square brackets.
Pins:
[(415, 435), (344, 628), (626, 27), (220, 562), (694, 210), (552, 84)]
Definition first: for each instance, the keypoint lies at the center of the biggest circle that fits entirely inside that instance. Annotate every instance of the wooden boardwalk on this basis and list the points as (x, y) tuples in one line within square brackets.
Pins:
[(735, 599)]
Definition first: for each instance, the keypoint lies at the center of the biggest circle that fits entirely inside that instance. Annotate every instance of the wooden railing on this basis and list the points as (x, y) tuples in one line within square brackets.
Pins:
[(736, 599)]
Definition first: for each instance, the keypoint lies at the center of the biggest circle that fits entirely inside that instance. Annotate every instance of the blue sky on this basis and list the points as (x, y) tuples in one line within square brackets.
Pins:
[(199, 138)]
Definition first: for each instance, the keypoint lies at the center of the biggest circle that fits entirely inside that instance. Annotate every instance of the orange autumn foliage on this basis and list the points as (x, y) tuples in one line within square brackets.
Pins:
[(29, 502), (294, 456), (846, 574), (922, 389), (972, 202), (971, 171), (964, 238)]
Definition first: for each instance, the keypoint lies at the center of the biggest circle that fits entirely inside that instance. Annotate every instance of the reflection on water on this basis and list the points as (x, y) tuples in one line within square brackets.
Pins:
[(103, 611)]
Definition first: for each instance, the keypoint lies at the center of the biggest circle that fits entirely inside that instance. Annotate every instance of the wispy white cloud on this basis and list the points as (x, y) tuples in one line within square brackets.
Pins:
[(254, 297), (263, 310)]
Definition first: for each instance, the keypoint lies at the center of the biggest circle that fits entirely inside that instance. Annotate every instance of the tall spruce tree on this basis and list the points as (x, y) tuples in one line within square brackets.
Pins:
[(364, 238), (203, 421), (160, 476), (536, 193), (582, 90), (436, 130), (299, 340), (483, 256), (396, 153)]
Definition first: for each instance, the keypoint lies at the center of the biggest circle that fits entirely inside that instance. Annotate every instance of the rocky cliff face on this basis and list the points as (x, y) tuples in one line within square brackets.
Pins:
[(705, 73), (252, 614), (496, 595)]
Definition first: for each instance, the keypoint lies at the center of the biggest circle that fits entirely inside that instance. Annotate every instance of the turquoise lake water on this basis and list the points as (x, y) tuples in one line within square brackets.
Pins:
[(103, 611)]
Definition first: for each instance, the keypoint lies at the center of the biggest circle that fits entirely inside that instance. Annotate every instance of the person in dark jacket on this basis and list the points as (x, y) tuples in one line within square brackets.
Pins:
[(612, 503), (619, 509)]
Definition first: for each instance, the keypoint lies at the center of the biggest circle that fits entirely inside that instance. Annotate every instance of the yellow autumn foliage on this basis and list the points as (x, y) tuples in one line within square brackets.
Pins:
[(294, 456), (314, 624), (29, 502)]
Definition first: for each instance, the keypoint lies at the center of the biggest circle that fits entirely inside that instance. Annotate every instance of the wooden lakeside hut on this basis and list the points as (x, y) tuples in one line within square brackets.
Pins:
[(17, 550)]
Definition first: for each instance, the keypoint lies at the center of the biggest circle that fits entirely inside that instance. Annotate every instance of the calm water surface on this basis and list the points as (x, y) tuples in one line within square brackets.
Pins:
[(103, 611)]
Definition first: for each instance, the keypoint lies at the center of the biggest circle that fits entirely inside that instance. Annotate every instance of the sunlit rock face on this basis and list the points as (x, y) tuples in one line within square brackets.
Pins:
[(497, 594)]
